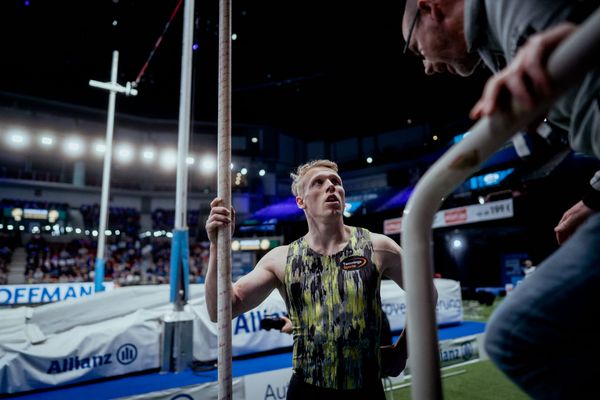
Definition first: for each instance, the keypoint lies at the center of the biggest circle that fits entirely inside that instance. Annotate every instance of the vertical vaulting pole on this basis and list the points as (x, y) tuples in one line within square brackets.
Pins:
[(567, 66), (224, 192)]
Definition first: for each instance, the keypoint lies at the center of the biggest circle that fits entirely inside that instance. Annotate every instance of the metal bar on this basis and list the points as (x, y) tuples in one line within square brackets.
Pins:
[(113, 86), (566, 66)]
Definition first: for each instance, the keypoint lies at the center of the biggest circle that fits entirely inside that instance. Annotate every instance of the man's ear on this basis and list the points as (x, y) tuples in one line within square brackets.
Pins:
[(300, 202)]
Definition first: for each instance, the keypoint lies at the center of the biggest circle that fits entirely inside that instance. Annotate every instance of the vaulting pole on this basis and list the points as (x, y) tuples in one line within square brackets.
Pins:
[(567, 65), (224, 192)]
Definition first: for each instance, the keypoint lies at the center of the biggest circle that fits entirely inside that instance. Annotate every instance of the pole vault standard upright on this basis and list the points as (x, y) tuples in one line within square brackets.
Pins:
[(113, 87), (179, 245), (224, 192), (178, 328), (567, 66)]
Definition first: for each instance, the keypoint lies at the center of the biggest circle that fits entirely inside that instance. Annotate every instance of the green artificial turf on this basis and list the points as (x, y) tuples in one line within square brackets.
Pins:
[(476, 381), (475, 311)]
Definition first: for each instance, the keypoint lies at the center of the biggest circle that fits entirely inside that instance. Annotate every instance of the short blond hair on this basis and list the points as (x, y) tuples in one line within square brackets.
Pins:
[(303, 169)]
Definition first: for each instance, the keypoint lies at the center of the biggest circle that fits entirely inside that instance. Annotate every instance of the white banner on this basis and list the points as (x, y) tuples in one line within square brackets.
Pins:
[(392, 226), (46, 292), (248, 338), (449, 306), (205, 391), (118, 332), (268, 385), (108, 348), (460, 216), (474, 213), (457, 351)]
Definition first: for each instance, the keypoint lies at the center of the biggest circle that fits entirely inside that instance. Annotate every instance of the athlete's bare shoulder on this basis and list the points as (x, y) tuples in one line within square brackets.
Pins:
[(274, 261), (383, 243)]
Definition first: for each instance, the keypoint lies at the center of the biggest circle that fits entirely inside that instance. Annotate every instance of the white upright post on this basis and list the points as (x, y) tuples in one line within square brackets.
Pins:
[(113, 87), (178, 328), (179, 283)]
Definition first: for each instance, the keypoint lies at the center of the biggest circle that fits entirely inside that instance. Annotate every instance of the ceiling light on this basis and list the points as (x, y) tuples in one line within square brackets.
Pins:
[(47, 140), (208, 165), (73, 146), (99, 148), (168, 159), (17, 138), (148, 155), (124, 153)]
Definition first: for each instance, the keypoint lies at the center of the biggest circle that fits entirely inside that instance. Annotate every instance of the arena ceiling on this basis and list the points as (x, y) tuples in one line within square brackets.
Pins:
[(311, 68)]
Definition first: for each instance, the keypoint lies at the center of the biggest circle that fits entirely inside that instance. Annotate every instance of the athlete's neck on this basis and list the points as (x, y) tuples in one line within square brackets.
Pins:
[(327, 238)]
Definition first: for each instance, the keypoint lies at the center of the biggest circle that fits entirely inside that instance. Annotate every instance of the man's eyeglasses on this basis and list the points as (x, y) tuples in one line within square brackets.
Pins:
[(410, 33)]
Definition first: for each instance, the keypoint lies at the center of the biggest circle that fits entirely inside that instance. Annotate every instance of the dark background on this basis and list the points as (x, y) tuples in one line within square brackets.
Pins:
[(312, 68)]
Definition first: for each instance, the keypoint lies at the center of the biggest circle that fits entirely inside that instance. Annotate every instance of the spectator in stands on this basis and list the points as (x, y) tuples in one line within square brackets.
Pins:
[(38, 275), (5, 258), (129, 262), (330, 280), (541, 335), (528, 267)]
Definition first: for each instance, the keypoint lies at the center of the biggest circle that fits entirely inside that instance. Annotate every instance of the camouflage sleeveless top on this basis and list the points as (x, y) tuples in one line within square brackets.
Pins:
[(335, 306)]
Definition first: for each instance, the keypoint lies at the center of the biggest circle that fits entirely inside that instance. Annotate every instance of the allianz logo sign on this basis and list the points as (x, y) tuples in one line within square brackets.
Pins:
[(464, 351), (126, 354)]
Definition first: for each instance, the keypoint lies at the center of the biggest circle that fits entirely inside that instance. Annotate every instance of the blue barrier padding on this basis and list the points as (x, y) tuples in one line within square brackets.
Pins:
[(180, 256), (185, 262), (175, 257), (99, 275)]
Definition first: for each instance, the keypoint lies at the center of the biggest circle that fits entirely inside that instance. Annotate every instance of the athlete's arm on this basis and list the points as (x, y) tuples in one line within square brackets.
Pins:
[(250, 290), (389, 256)]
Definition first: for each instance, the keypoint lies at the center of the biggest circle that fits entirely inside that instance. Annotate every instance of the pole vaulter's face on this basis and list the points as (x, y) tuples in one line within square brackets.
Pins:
[(323, 192)]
